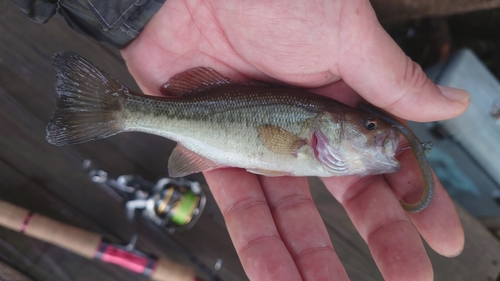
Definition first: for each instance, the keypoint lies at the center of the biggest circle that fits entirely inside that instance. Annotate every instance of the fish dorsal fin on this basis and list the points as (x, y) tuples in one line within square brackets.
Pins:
[(328, 154), (279, 140), (193, 80), (184, 162)]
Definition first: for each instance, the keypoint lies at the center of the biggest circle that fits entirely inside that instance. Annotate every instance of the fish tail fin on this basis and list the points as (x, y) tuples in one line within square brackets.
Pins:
[(89, 102)]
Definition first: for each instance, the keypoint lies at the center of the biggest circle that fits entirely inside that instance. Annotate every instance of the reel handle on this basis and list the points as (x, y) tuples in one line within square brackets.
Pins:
[(88, 244)]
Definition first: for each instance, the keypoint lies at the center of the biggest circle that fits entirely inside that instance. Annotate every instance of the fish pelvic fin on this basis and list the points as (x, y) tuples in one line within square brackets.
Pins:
[(89, 103)]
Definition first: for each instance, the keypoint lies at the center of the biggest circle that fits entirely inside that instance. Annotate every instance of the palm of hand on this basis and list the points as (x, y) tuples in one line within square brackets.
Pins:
[(273, 222)]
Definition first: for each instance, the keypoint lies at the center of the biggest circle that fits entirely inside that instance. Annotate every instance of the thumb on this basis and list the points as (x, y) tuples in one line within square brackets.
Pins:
[(383, 75)]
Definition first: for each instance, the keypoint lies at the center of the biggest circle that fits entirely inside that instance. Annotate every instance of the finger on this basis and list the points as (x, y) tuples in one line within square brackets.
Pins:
[(302, 229), (438, 224), (376, 213), (380, 72), (339, 91), (243, 204)]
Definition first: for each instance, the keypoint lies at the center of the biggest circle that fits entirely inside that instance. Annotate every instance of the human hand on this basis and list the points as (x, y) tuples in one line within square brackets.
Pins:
[(274, 225)]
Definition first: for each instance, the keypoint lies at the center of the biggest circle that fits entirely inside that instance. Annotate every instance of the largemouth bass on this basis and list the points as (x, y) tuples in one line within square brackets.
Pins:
[(266, 129)]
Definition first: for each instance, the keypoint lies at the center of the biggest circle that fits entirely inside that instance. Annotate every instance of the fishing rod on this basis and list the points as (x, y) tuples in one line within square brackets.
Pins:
[(90, 245)]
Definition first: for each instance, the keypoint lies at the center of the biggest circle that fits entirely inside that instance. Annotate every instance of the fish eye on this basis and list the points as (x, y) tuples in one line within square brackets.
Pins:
[(370, 124)]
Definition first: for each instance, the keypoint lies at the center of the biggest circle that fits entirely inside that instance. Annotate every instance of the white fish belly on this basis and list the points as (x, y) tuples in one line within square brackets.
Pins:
[(230, 144)]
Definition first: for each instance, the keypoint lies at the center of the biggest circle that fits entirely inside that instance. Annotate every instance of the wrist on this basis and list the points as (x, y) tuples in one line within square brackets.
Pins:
[(116, 22)]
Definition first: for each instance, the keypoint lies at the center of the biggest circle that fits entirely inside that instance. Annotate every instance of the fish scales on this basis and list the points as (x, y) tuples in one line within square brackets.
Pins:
[(226, 129), (266, 129)]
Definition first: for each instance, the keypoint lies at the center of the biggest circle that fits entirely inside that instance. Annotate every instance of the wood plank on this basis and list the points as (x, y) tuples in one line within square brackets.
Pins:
[(7, 272), (33, 254), (50, 180), (480, 258), (27, 98), (396, 11), (40, 260), (350, 247), (481, 248), (26, 140), (492, 223)]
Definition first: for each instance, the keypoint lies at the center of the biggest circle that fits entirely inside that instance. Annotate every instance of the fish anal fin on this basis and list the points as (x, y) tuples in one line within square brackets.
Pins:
[(193, 80), (279, 140), (184, 162), (268, 173)]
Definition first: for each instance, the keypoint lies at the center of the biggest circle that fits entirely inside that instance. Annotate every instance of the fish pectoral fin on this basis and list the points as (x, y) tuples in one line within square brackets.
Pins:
[(279, 140), (328, 154), (268, 173), (193, 80), (184, 162)]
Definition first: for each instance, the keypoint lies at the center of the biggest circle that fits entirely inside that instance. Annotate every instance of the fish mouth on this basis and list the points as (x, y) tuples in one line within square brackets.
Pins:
[(388, 142), (387, 145)]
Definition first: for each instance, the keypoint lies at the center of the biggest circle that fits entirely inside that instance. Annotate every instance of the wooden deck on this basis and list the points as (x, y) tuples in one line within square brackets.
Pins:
[(50, 180)]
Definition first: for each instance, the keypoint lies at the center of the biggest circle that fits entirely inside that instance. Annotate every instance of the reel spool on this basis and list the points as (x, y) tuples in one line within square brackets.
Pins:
[(175, 203)]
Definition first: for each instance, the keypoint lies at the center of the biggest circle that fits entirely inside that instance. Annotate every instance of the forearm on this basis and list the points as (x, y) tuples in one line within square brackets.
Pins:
[(115, 22)]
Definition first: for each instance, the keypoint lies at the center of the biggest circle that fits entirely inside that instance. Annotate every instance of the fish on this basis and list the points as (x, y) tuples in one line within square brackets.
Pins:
[(267, 129)]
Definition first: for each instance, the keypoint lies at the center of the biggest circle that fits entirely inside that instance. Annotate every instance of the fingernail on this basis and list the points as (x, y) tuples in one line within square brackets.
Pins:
[(455, 255), (454, 94)]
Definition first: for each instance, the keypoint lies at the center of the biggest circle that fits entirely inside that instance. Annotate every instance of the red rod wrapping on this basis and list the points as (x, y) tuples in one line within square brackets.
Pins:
[(131, 261)]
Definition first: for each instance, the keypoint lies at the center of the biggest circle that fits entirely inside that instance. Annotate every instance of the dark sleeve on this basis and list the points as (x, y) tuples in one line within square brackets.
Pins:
[(113, 21)]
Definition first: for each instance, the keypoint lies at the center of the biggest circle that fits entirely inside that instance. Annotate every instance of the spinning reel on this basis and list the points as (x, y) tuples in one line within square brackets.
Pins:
[(172, 204)]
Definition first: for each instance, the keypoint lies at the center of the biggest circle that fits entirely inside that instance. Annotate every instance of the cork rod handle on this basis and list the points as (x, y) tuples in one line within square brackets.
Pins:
[(170, 271), (78, 241)]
